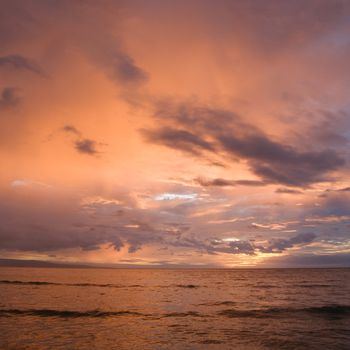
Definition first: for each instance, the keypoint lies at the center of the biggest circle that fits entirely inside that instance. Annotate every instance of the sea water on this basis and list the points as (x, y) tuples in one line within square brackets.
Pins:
[(50, 308)]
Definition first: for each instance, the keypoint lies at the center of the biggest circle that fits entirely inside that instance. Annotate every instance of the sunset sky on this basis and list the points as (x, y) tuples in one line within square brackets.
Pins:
[(158, 132)]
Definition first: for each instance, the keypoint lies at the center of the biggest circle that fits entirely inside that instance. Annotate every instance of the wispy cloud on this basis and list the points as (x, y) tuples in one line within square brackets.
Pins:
[(86, 146), (20, 62), (81, 144), (9, 98)]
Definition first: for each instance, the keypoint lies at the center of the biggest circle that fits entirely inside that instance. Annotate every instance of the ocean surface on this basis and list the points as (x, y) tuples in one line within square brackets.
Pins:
[(50, 308)]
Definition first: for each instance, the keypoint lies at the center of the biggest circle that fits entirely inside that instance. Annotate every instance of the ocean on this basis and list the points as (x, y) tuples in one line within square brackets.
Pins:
[(53, 308)]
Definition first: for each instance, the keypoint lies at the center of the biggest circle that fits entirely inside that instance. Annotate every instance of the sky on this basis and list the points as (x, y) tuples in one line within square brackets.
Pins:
[(175, 133)]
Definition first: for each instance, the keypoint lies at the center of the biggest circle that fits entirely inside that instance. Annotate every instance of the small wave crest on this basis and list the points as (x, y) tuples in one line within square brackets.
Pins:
[(191, 286), (313, 285), (219, 303), (330, 311), (36, 283), (90, 313), (108, 285), (66, 313), (182, 314), (44, 283)]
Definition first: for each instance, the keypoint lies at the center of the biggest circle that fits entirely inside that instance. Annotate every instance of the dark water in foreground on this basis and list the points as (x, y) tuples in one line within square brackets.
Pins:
[(174, 309)]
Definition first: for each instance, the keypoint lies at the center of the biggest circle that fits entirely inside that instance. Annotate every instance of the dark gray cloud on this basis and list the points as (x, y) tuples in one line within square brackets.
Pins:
[(86, 146), (288, 191), (9, 98), (21, 63), (196, 129), (65, 224), (250, 183), (279, 163), (215, 182), (178, 139), (233, 247), (310, 260), (108, 53), (71, 129), (335, 203), (126, 70), (279, 245), (189, 114), (49, 238), (82, 144), (247, 247), (218, 182)]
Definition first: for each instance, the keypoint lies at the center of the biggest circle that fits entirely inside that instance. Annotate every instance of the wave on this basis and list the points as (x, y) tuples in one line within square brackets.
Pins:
[(90, 313), (43, 283), (66, 313), (219, 303), (329, 311), (313, 285), (332, 311), (37, 283), (186, 286), (183, 314), (109, 285)]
